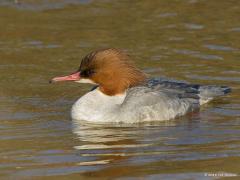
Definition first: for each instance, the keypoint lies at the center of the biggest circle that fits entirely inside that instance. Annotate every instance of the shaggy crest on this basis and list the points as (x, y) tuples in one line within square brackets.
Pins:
[(112, 70)]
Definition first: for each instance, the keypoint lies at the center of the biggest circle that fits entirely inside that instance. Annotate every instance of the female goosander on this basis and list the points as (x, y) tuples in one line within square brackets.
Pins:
[(124, 94)]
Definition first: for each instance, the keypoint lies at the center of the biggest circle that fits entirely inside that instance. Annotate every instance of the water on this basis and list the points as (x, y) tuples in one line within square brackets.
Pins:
[(192, 40)]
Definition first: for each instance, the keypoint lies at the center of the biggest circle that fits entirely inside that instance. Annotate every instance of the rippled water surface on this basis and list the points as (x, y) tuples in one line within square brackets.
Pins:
[(193, 40)]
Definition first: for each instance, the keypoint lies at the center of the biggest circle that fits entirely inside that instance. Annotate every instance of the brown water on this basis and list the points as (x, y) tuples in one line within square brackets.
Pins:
[(193, 40)]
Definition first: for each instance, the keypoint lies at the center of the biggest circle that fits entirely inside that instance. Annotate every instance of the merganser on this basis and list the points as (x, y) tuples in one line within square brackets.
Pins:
[(124, 94)]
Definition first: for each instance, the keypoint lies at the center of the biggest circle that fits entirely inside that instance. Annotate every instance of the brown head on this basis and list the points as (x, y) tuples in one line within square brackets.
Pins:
[(111, 69)]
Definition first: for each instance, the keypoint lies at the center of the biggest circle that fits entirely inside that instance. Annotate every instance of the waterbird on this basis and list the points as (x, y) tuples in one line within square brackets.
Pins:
[(122, 93)]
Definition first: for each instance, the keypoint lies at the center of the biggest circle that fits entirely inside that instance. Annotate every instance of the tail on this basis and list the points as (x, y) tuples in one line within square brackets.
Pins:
[(207, 93)]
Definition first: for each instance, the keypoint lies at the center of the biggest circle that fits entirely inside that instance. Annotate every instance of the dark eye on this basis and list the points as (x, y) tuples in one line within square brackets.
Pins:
[(87, 73)]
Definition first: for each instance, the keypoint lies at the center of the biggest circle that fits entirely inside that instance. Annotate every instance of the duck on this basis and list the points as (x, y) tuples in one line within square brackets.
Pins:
[(123, 93)]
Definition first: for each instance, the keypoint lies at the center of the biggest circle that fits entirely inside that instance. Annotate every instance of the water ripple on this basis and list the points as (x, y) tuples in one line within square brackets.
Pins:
[(219, 47), (197, 54)]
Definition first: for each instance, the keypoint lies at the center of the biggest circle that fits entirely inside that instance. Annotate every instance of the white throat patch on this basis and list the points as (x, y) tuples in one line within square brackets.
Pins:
[(83, 80)]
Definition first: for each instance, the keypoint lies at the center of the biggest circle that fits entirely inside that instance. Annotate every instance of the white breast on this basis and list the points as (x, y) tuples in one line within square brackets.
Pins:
[(97, 107)]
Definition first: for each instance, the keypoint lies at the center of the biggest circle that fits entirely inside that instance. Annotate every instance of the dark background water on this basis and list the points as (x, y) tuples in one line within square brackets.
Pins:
[(193, 40)]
